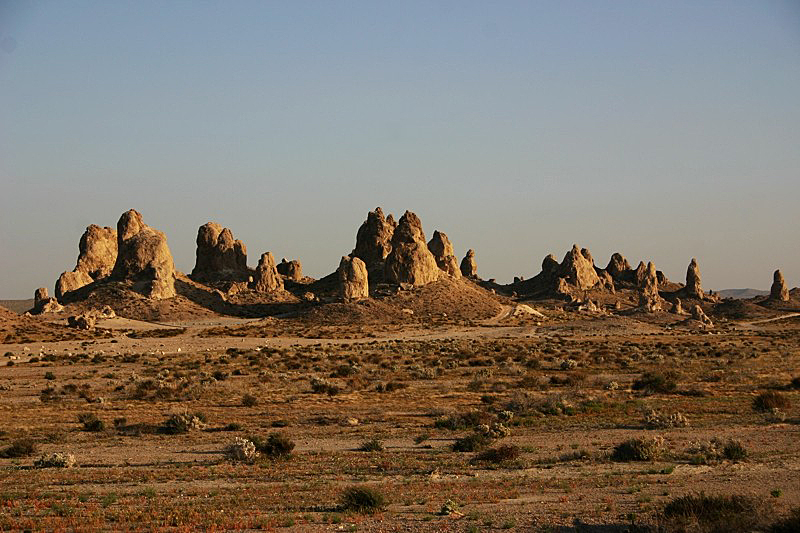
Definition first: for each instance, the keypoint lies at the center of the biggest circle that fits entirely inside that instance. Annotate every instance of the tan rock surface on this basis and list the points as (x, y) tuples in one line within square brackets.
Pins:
[(410, 261), (779, 291), (374, 238), (266, 277), (292, 270), (353, 279), (442, 251), (219, 256), (469, 267), (144, 257)]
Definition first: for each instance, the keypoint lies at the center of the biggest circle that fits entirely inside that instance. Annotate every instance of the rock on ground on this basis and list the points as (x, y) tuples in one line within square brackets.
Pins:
[(97, 254), (266, 277), (353, 279), (779, 291), (292, 270), (693, 288), (374, 238), (219, 256), (469, 268)]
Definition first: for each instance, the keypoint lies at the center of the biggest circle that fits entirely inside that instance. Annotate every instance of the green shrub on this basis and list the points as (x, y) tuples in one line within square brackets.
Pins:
[(767, 401), (362, 500)]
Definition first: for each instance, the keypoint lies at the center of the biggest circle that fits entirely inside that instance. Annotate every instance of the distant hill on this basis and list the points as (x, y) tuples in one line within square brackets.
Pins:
[(18, 306), (741, 294)]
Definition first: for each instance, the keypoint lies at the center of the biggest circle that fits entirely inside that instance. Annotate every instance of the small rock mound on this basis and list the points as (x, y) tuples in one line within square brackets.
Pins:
[(144, 257), (266, 278), (292, 270), (374, 238), (700, 316), (442, 251), (677, 307), (43, 303), (410, 261), (353, 279), (779, 292), (469, 268), (219, 256), (97, 254)]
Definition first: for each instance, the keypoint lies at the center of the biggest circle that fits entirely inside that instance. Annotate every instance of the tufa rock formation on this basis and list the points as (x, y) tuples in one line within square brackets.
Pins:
[(442, 251), (266, 278), (219, 256), (469, 268), (410, 261), (578, 270), (618, 266), (677, 307), (97, 254), (144, 257), (693, 288), (292, 270), (649, 299), (779, 291), (374, 238), (42, 303), (353, 280)]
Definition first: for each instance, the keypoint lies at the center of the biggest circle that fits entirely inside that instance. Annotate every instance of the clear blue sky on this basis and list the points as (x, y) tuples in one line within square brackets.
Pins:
[(663, 130)]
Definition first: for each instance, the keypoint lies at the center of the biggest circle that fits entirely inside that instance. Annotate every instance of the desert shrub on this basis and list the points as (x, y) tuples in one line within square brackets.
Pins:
[(658, 420), (249, 400), (712, 514), (641, 449), (183, 422), (767, 401), (462, 421), (276, 445), (501, 454), (372, 445), (362, 500), (49, 376), (795, 383), (19, 448), (91, 422), (323, 386), (242, 451), (472, 443), (734, 451), (790, 524), (656, 382), (55, 460)]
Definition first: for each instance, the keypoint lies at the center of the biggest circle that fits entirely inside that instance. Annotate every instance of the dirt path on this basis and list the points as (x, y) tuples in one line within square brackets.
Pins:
[(753, 323)]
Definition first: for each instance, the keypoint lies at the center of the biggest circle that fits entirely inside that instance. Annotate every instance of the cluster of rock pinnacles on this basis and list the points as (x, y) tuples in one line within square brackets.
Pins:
[(386, 250)]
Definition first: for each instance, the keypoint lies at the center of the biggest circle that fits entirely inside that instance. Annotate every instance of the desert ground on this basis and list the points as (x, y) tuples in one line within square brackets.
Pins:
[(400, 393), (382, 407)]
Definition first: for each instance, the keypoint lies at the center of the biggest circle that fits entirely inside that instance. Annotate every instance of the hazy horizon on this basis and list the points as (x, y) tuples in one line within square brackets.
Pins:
[(663, 131)]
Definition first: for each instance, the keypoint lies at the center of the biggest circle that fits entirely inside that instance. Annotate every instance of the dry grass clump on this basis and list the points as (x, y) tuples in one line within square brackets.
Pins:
[(91, 422), (658, 420), (502, 454), (183, 422), (641, 449), (372, 445), (276, 445), (242, 451), (55, 460), (19, 448), (767, 401), (656, 382), (713, 514), (364, 500)]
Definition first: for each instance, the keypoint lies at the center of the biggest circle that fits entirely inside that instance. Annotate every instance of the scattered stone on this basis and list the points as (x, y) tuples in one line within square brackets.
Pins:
[(144, 257), (469, 268), (353, 279), (526, 310), (266, 278), (779, 291), (693, 288), (310, 297), (219, 256), (700, 316), (442, 251), (292, 270), (43, 303), (374, 238), (410, 261), (84, 321)]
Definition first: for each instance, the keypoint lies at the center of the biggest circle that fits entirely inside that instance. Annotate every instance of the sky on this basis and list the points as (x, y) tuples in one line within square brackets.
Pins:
[(661, 130)]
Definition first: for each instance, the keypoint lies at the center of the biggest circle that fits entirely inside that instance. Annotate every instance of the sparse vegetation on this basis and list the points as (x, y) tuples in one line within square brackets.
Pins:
[(767, 401), (640, 449), (362, 499)]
